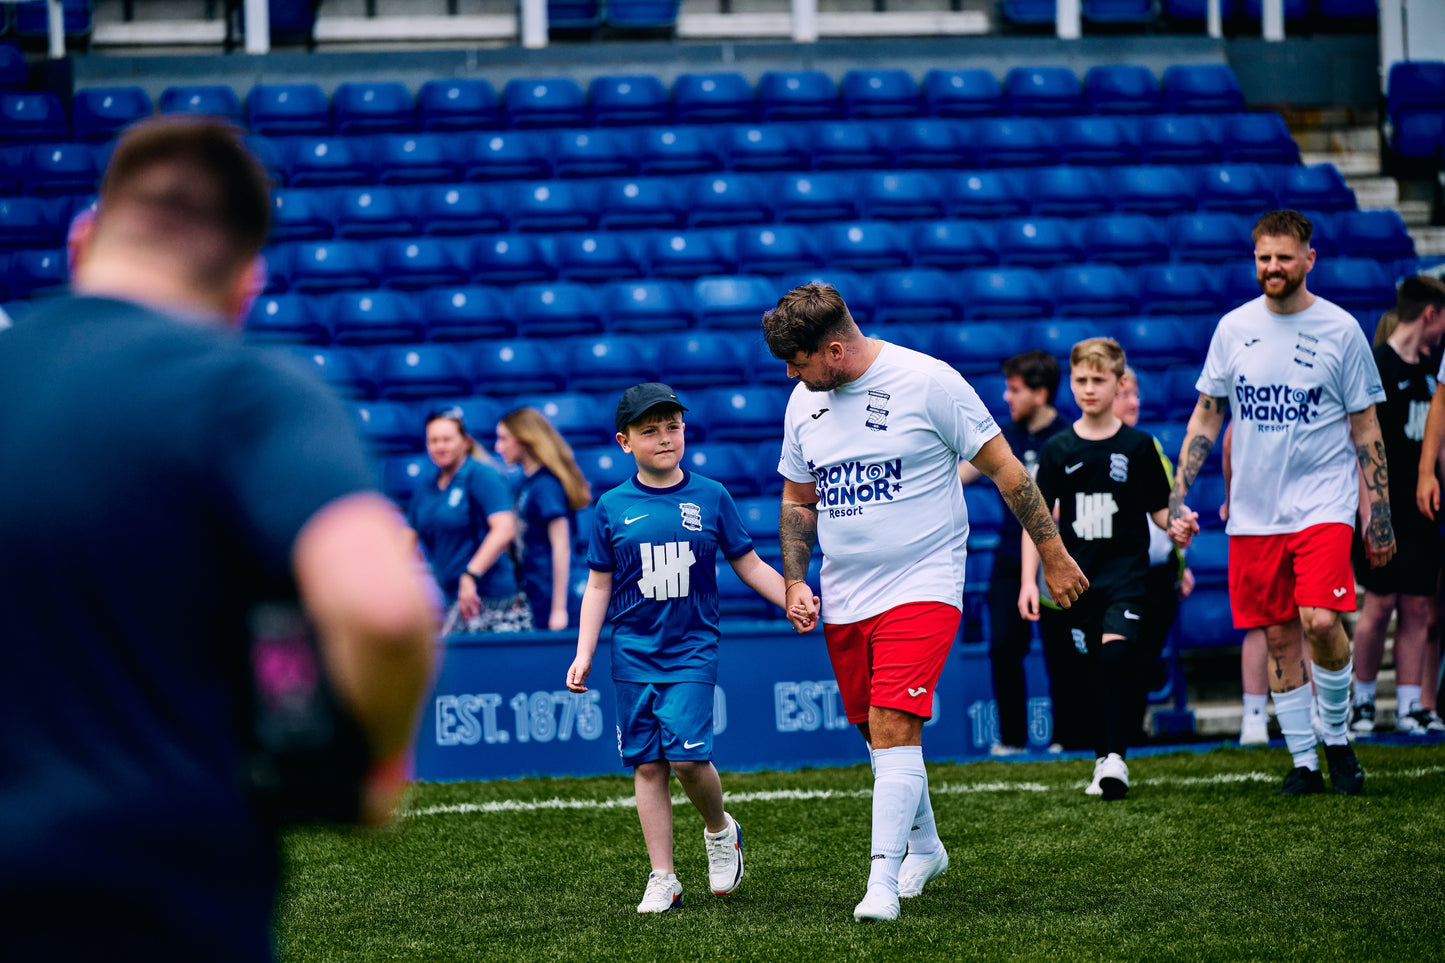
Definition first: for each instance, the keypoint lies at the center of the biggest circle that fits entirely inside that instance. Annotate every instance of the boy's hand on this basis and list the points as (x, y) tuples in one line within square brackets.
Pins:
[(1183, 528), (803, 607), (1029, 600), (577, 675)]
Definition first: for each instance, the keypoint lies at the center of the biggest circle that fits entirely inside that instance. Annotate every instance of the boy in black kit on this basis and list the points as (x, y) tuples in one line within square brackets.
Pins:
[(1102, 477)]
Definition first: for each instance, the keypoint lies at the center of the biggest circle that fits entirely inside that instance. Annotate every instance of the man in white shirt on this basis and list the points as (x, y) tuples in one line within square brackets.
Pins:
[(872, 439), (1303, 385)]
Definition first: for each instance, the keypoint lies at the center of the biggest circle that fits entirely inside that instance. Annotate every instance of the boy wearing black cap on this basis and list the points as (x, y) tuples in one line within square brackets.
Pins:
[(655, 539)]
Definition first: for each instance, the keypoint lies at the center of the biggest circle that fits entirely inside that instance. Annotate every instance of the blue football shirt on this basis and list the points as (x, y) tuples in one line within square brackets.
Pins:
[(540, 499), (451, 522)]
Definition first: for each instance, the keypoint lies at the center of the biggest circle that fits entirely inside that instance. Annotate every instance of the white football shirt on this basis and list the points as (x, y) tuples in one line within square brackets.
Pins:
[(883, 453), (1292, 381)]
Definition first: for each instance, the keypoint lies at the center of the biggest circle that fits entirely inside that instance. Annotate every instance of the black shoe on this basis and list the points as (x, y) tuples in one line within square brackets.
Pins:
[(1302, 781), (1346, 776)]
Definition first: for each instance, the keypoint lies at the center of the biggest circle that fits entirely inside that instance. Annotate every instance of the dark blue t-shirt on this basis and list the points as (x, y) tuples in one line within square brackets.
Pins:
[(661, 546), (451, 522), (153, 477), (540, 499)]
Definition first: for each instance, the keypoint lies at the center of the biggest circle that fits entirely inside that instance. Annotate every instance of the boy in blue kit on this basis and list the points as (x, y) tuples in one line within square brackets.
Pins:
[(655, 539)]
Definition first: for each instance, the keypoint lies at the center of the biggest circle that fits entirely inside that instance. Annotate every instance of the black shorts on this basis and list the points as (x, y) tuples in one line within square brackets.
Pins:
[(1107, 610), (1414, 569)]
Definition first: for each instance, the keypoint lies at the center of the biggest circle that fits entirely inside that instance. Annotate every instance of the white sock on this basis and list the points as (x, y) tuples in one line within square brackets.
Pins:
[(1407, 699), (923, 837), (896, 791), (1254, 705), (872, 765), (1364, 692), (1332, 692), (1292, 711)]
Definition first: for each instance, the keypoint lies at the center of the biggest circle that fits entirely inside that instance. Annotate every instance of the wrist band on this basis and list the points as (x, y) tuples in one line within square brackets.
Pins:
[(788, 583)]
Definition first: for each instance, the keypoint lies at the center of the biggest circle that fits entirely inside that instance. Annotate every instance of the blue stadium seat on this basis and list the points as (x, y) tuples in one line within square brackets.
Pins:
[(269, 155), (30, 222), (953, 244), (971, 92), (280, 109), (639, 202), (1415, 85), (373, 107), (641, 14), (1119, 11), (767, 370), (574, 14), (744, 413), (1238, 283), (507, 155), (400, 474), (643, 306), (1093, 290), (689, 255), (976, 348), (505, 259), (880, 93), (1243, 188), (1147, 189), (849, 144), (1379, 234), (1293, 9), (414, 159), (469, 103), (1194, 12), (544, 102), (677, 150), (1211, 236), (99, 113), (718, 199), (713, 98), (215, 100), (604, 466), (1026, 12), (326, 161), (1209, 558), (278, 259), (985, 516), (691, 359), (929, 142), (733, 301), (610, 362), (418, 263), (796, 95), (286, 319), (521, 366), (856, 289), (389, 428), (32, 116), (751, 147), (575, 415), (372, 317), (419, 371), (464, 313), (366, 212), (901, 195), (1069, 191), (1121, 89), (596, 257), (345, 370), (1202, 88), (1058, 338), (1355, 284), (1206, 496), (64, 168), (552, 206), (1260, 137), (987, 294), (545, 309), (1097, 140), (988, 194), (462, 209), (1180, 139), (1049, 91), (1125, 239), (1324, 231), (1318, 186), (1014, 142), (628, 99), (914, 296), (761, 519), (594, 152), (777, 249), (865, 246), (1040, 242), (301, 214), (320, 266), (813, 196), (14, 71), (1159, 342)]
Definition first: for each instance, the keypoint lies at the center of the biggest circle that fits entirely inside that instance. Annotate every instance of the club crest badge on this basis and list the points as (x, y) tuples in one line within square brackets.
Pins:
[(691, 516), (878, 410)]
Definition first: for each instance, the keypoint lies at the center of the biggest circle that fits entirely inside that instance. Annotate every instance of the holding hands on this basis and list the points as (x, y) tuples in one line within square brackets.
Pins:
[(803, 607)]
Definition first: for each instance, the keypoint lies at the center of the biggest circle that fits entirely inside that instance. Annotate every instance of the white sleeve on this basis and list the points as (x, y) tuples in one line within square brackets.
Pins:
[(791, 463), (959, 414), (1360, 384), (1214, 379)]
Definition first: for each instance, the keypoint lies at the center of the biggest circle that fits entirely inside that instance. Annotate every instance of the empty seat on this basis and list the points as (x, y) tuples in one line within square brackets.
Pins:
[(551, 206), (574, 14), (777, 249), (273, 109), (33, 116), (1238, 283), (728, 464), (594, 152), (1379, 234), (688, 255), (1260, 137), (301, 214), (1317, 186), (400, 474), (373, 317), (880, 93), (744, 413), (764, 148), (1119, 11), (464, 104), (372, 107), (1201, 88), (796, 95), (269, 155), (849, 144), (971, 92), (1179, 139), (728, 199), (677, 150), (733, 301), (414, 159), (544, 102), (366, 212), (1041, 241), (814, 196), (1097, 140), (466, 313), (462, 209), (286, 319), (596, 257), (419, 371), (913, 296), (1234, 187), (29, 222), (211, 99), (647, 305), (1058, 337), (628, 99), (713, 98), (990, 194), (389, 427), (522, 366), (509, 155), (929, 142), (1125, 239), (60, 169), (1093, 290), (640, 202), (1043, 90), (326, 161), (952, 244), (1206, 496), (1151, 189), (641, 14), (1159, 342), (865, 246), (320, 266), (1014, 142), (344, 370), (1121, 89), (1211, 236), (1355, 284), (604, 466), (99, 113), (14, 72), (610, 362), (418, 263), (976, 348), (575, 415), (556, 308), (1069, 191), (902, 195), (702, 359), (1003, 294)]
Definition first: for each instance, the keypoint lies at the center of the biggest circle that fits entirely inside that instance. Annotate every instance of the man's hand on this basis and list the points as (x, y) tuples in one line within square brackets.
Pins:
[(1379, 536), (1062, 575), (1427, 495), (803, 607), (1183, 527)]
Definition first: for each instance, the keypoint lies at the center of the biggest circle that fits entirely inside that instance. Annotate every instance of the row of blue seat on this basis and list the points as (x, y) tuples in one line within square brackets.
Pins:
[(1415, 110), (31, 18), (1316, 12)]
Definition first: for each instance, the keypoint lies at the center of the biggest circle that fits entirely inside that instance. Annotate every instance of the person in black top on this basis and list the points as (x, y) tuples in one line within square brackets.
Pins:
[(1031, 382), (1406, 584), (1103, 477)]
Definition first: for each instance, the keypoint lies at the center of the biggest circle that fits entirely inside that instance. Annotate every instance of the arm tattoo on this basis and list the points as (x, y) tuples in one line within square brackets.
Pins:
[(1381, 531), (1027, 503), (1196, 449), (798, 533), (1371, 456), (1211, 403)]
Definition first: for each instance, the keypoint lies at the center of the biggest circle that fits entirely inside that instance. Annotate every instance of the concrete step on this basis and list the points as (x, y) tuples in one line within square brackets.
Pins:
[(1416, 214), (1223, 720), (1375, 191), (1429, 241), (1349, 163)]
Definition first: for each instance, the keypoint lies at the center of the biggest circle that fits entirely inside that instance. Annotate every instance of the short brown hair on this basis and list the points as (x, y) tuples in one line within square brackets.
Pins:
[(804, 319), (1286, 223), (1037, 369), (1101, 353), (1416, 294)]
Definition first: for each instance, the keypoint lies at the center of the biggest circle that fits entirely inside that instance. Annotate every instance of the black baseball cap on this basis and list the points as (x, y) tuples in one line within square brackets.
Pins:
[(639, 399)]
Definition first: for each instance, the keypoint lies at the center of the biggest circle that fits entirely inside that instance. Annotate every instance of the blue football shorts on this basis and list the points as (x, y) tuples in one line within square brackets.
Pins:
[(664, 721)]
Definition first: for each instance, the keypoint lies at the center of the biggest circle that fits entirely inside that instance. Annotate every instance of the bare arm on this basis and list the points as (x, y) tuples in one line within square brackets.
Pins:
[(501, 530), (589, 627), (1199, 437), (1379, 535), (559, 536), (967, 473), (1427, 485), (798, 533)]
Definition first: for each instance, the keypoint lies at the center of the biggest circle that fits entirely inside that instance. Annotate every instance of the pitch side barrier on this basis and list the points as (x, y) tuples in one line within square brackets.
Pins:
[(500, 708)]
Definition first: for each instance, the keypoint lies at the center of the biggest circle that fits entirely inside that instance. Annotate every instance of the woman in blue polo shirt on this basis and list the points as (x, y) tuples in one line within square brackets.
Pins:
[(462, 516)]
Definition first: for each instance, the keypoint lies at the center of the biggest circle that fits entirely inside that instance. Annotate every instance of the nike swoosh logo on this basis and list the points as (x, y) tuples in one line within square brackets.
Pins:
[(1073, 468), (821, 413), (1403, 384), (1251, 343), (691, 745), (629, 521), (1339, 592), (1130, 615), (918, 691)]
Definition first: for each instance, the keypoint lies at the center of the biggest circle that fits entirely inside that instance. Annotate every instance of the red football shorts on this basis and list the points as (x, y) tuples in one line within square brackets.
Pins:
[(892, 660), (1271, 576)]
